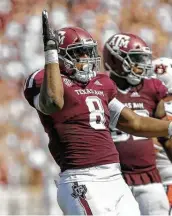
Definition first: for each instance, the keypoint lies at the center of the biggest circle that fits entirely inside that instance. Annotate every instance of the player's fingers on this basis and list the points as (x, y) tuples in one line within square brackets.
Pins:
[(45, 24)]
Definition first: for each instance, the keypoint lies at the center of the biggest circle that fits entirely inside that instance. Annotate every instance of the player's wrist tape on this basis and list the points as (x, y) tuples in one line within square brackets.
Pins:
[(51, 56), (170, 130)]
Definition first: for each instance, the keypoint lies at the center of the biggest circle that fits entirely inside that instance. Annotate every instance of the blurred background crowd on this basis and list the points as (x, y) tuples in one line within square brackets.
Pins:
[(27, 169)]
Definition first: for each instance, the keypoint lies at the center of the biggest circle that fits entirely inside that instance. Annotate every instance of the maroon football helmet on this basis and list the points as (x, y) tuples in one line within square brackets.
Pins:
[(77, 47), (122, 52)]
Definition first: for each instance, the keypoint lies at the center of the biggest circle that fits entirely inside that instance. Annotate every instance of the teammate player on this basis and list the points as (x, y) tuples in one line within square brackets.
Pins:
[(74, 104), (128, 59), (162, 68)]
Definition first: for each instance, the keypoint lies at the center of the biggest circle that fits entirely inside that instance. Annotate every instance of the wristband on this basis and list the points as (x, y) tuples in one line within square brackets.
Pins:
[(51, 56)]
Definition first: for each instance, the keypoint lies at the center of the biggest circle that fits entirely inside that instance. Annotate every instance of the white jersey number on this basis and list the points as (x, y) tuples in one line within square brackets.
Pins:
[(97, 117), (119, 136)]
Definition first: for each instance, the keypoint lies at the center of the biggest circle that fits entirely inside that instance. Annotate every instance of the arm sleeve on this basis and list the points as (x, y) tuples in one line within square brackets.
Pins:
[(115, 106)]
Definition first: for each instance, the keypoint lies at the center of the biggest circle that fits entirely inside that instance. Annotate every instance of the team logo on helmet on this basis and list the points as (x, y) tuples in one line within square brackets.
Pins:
[(119, 41), (61, 37)]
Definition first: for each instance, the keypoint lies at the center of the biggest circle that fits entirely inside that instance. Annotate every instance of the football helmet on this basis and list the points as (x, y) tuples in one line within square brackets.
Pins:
[(162, 70), (78, 55), (124, 52)]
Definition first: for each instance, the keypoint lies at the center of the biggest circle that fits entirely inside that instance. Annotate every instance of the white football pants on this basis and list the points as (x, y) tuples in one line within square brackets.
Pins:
[(152, 199), (99, 190)]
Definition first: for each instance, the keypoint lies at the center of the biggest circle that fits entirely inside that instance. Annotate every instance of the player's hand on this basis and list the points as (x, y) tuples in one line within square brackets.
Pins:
[(50, 42)]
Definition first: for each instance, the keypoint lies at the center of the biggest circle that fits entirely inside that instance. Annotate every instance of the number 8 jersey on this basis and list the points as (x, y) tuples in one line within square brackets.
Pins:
[(79, 133)]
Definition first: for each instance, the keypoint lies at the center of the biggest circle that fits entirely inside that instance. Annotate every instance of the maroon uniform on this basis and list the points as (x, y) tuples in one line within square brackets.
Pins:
[(129, 60), (137, 155), (72, 130)]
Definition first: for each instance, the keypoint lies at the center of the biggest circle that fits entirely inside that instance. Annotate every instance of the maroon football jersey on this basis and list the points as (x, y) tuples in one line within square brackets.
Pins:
[(137, 154), (79, 133)]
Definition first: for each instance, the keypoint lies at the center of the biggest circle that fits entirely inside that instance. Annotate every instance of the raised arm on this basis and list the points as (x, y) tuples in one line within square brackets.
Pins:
[(52, 92)]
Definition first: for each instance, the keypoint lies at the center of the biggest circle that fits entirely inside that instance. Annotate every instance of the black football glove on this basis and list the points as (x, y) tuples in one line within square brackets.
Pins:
[(50, 42)]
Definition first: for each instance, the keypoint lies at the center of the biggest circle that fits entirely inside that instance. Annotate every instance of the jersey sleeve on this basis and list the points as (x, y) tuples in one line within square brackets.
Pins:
[(161, 90), (32, 87)]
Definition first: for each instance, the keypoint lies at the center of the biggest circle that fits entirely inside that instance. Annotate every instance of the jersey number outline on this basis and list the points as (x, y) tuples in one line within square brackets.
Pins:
[(96, 117)]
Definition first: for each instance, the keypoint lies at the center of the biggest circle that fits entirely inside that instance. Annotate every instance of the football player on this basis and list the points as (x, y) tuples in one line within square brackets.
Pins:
[(162, 68), (75, 104), (129, 61)]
